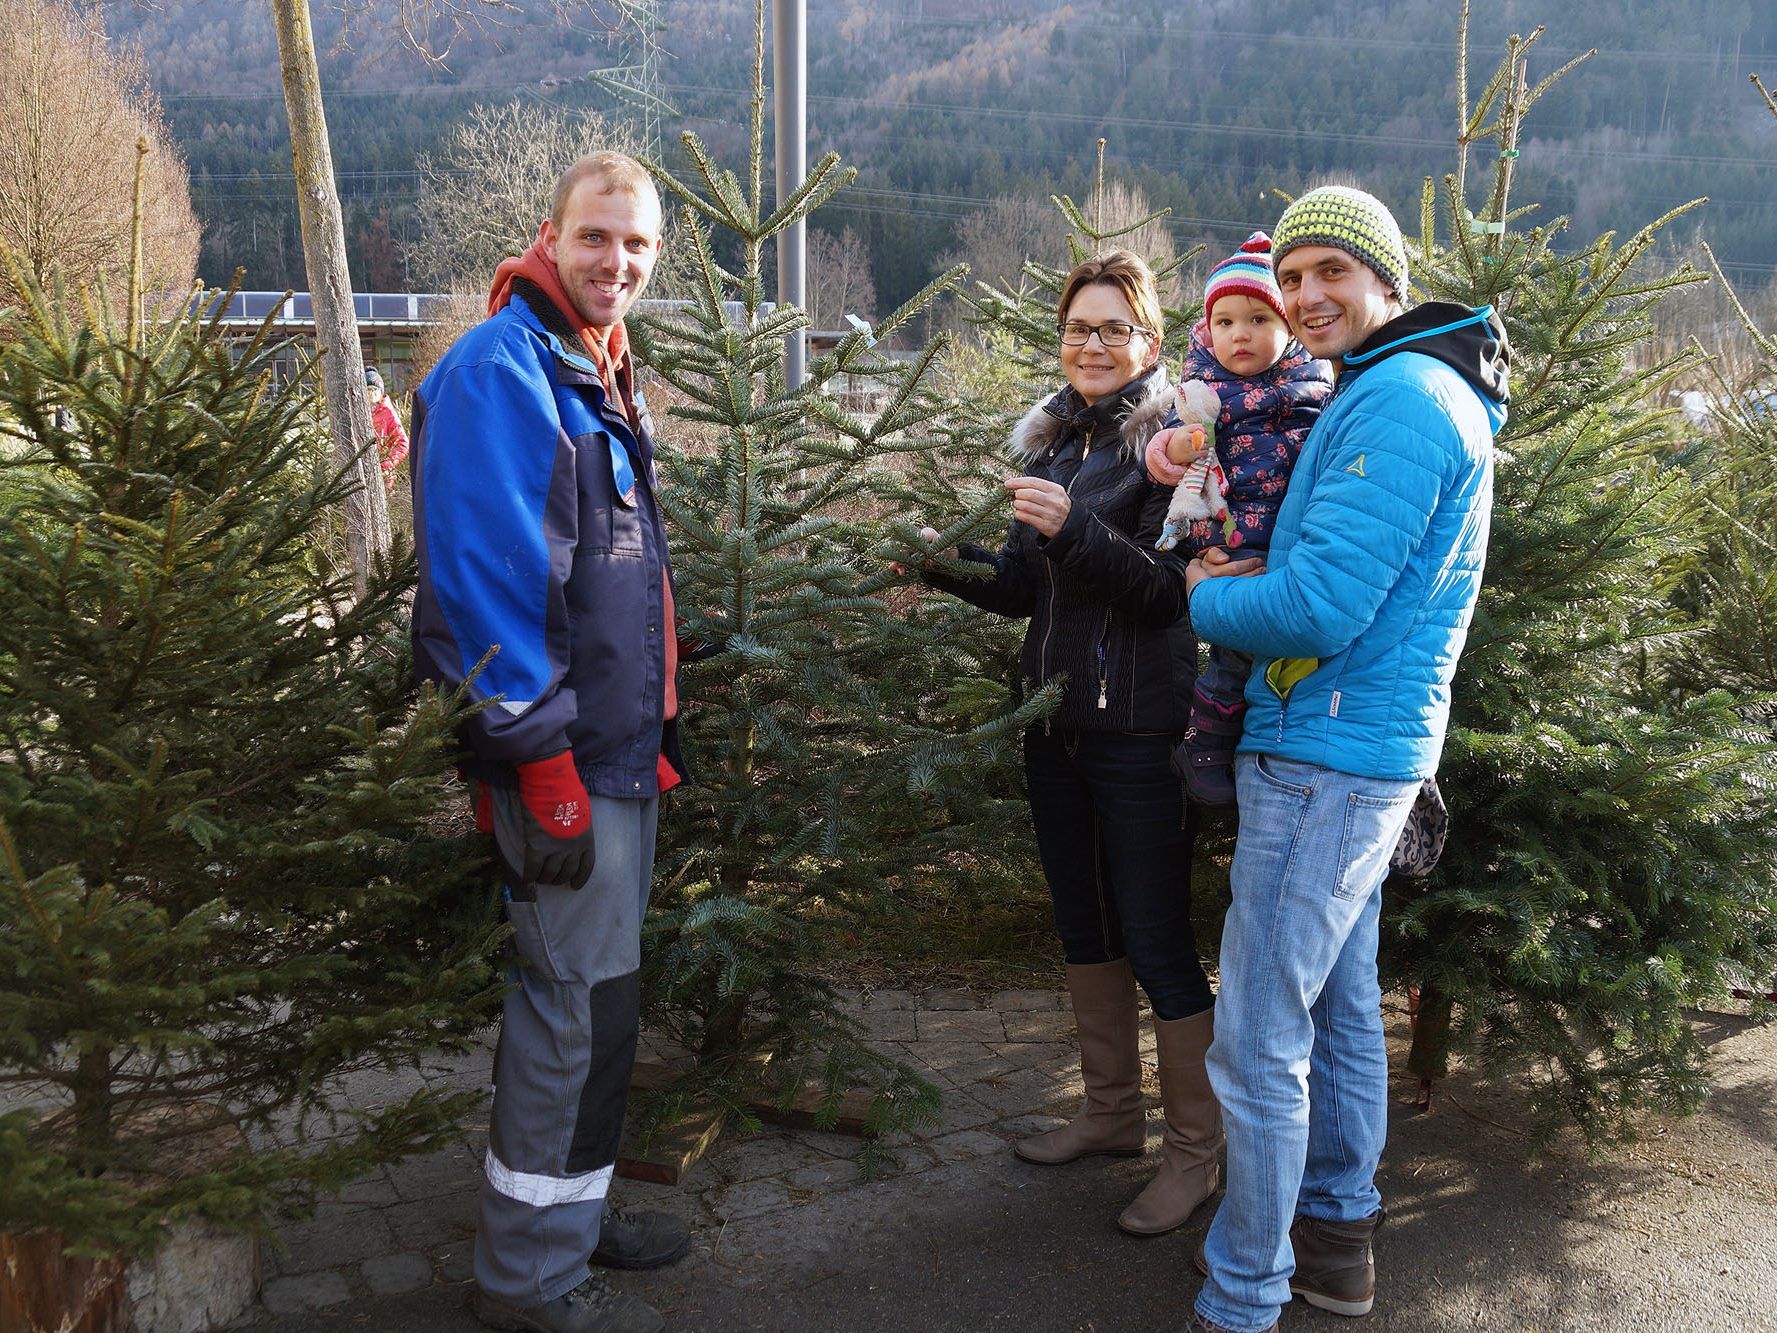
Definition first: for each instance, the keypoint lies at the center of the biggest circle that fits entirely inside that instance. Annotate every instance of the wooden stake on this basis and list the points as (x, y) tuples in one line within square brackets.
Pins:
[(133, 324), (1098, 207)]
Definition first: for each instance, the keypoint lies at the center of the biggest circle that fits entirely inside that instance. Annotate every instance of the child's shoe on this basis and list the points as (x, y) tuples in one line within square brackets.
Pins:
[(1208, 751)]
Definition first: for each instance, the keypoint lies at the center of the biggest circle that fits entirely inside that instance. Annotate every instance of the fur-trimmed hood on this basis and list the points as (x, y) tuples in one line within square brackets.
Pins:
[(1135, 411)]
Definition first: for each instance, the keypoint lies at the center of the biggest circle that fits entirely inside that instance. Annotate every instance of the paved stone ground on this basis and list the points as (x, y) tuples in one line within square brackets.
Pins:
[(1678, 1233)]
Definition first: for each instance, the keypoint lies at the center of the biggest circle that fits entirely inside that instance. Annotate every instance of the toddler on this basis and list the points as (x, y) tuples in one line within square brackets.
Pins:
[(1271, 391)]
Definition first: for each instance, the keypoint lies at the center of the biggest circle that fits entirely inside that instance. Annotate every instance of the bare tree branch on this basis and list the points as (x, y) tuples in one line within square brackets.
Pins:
[(1764, 92), (72, 108), (839, 281), (432, 28), (489, 184)]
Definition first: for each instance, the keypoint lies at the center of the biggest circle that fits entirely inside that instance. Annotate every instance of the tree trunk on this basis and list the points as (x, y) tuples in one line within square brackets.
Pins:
[(1429, 1055), (324, 255), (94, 1100), (47, 1292)]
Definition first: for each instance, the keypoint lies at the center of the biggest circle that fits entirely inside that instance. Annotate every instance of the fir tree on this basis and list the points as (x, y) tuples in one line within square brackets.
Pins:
[(1612, 845), (1734, 586), (218, 888), (852, 746)]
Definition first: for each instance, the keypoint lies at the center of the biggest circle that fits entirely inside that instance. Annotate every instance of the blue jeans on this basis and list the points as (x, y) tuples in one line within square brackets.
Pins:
[(1115, 835), (1298, 1062)]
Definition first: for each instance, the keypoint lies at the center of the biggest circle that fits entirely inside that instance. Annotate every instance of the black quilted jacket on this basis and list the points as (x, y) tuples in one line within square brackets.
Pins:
[(1106, 609)]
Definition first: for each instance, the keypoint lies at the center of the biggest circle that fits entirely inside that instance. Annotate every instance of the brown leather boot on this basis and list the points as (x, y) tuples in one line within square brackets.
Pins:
[(1191, 1171), (1113, 1122), (1335, 1264)]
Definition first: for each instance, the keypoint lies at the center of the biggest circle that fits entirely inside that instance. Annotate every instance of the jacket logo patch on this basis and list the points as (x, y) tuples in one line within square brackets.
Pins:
[(1358, 467)]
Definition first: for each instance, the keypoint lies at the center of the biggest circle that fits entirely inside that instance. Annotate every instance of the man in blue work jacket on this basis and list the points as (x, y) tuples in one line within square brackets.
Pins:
[(540, 543)]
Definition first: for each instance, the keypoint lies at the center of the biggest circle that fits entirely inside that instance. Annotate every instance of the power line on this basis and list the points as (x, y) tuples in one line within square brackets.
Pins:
[(1542, 147), (1173, 25), (954, 205), (1100, 119), (413, 177), (388, 184)]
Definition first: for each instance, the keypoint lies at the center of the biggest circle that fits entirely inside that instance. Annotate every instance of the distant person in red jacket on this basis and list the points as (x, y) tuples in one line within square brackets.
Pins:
[(391, 435)]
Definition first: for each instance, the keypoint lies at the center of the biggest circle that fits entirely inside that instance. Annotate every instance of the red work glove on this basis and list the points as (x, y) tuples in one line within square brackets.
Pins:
[(557, 822)]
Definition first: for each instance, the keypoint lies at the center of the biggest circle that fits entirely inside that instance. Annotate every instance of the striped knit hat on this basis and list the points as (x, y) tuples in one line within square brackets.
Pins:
[(1246, 272), (1349, 220)]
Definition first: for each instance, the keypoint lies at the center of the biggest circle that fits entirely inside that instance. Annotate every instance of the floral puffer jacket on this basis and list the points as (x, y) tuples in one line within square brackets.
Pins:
[(1265, 418)]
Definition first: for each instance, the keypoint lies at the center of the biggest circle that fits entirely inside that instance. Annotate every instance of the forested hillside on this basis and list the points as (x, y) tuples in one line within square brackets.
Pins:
[(947, 105)]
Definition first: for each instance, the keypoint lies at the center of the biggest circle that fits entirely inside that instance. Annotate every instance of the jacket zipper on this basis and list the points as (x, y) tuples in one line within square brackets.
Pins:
[(1049, 627), (1104, 634)]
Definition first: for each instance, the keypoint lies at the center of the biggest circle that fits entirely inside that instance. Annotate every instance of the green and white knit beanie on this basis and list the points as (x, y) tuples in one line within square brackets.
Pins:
[(1349, 220)]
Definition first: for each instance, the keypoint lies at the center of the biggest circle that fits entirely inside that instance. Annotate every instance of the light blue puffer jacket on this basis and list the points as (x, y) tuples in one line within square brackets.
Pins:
[(1357, 622)]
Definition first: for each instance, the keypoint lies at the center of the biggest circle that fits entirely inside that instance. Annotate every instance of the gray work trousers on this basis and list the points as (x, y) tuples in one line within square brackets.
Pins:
[(567, 1042)]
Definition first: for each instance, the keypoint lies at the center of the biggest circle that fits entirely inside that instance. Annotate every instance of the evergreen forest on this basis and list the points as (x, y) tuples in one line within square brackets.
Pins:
[(945, 106)]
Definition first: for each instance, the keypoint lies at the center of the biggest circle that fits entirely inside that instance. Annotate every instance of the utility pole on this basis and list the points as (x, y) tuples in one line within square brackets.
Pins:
[(330, 284), (789, 78)]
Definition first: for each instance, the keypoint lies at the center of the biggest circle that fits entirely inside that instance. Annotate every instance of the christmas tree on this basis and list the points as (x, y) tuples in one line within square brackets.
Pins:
[(220, 890), (1612, 845), (1733, 586), (853, 745)]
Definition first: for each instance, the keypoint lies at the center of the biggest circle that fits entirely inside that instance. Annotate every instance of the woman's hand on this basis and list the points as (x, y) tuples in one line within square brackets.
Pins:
[(927, 535), (1042, 504)]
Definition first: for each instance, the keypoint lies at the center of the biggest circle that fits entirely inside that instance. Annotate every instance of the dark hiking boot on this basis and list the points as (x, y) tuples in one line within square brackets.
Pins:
[(640, 1238), (1208, 749), (1335, 1264), (591, 1307), (1196, 1323)]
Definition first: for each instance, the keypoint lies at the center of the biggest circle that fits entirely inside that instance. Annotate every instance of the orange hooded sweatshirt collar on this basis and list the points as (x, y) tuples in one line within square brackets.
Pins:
[(609, 349)]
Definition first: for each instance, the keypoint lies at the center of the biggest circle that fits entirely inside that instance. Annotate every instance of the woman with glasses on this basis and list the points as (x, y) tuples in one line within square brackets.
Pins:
[(1114, 831)]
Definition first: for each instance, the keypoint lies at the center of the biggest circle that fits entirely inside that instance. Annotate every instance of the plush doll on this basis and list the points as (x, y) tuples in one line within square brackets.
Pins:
[(1199, 493)]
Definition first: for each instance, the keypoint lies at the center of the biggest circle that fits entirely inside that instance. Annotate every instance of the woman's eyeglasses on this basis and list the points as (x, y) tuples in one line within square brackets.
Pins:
[(1114, 334)]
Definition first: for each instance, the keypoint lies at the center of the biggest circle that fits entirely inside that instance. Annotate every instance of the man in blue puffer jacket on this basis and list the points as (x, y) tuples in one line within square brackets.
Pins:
[(1355, 627)]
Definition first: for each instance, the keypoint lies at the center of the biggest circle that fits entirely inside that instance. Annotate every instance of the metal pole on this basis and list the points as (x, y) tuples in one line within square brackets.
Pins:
[(789, 77)]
